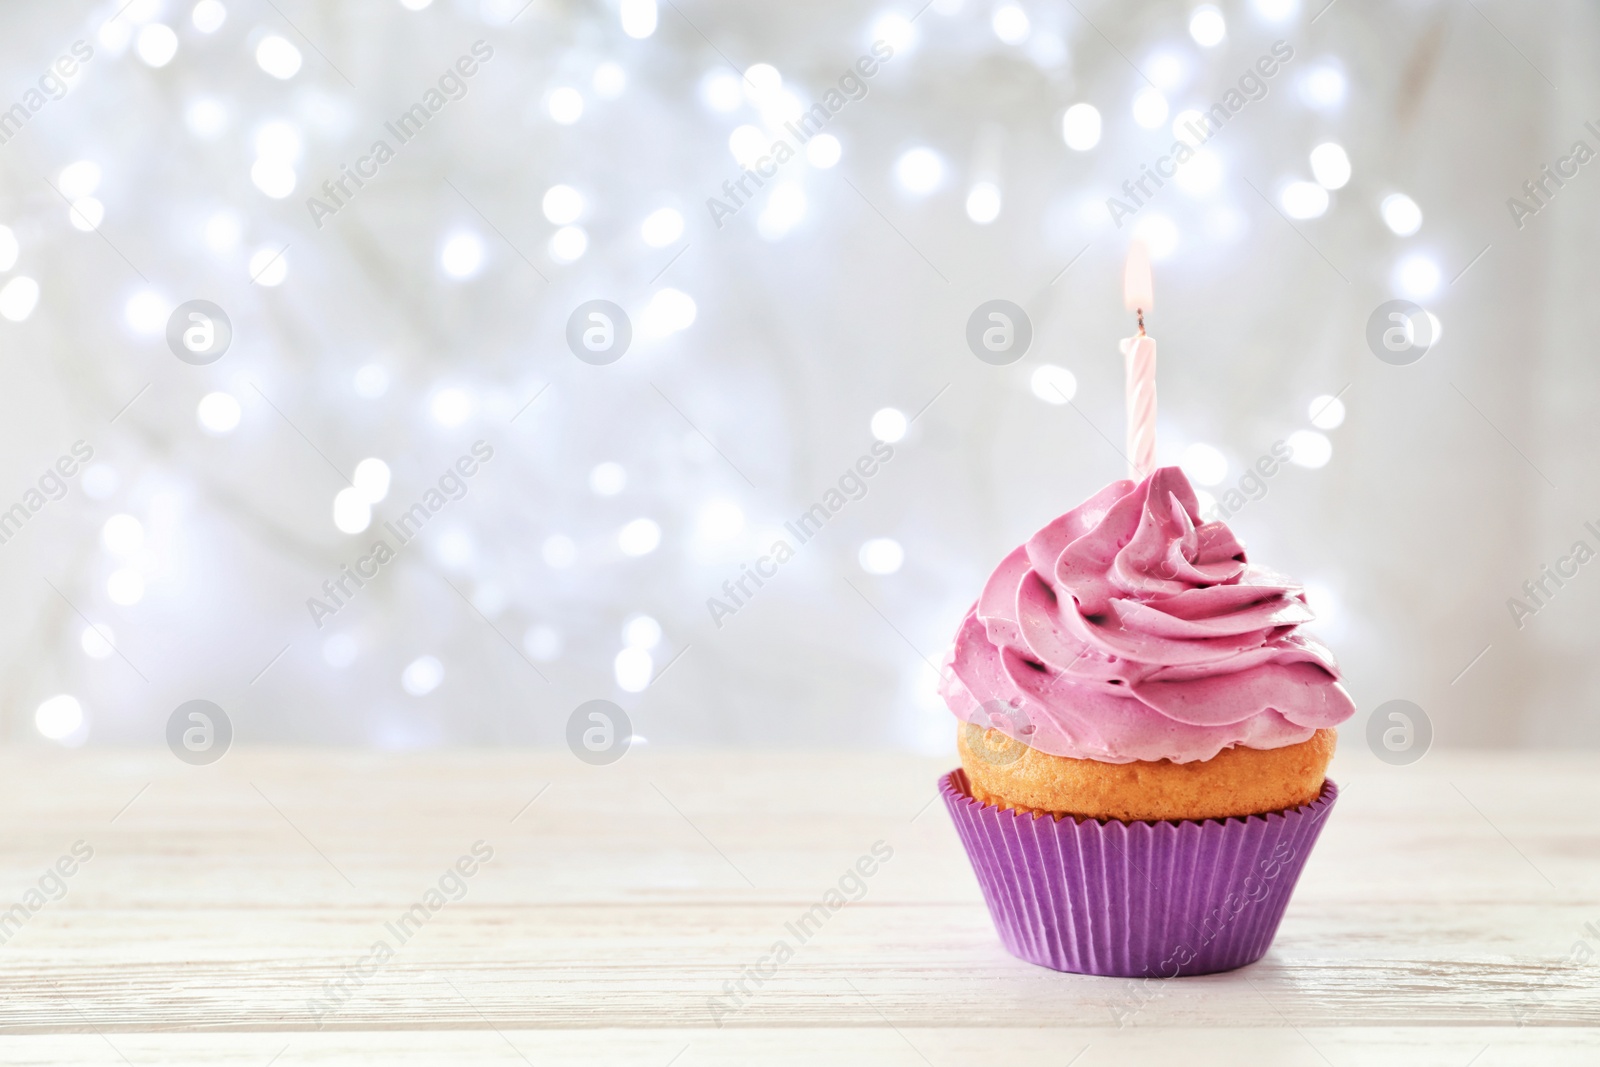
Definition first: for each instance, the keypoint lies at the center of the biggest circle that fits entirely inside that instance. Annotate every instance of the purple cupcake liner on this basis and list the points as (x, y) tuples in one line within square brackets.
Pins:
[(1139, 899)]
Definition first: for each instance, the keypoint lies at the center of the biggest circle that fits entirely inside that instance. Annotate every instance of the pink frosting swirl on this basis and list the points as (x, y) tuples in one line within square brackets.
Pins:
[(1128, 629)]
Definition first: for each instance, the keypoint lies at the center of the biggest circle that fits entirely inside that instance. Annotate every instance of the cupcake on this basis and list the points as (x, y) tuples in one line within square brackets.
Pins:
[(1144, 736)]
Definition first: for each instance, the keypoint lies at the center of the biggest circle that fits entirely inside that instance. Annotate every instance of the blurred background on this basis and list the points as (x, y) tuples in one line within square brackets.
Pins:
[(376, 339)]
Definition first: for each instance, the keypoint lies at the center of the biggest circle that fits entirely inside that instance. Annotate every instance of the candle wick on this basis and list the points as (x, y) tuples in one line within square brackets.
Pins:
[(1141, 321)]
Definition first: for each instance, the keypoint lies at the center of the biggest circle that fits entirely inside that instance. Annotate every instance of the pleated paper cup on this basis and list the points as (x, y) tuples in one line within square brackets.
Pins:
[(1135, 899)]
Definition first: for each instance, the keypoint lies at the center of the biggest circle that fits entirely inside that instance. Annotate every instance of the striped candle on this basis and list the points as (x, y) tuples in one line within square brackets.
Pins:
[(1139, 352)]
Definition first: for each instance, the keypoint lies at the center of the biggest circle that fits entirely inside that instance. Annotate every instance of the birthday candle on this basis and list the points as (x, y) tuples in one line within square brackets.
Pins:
[(1139, 352)]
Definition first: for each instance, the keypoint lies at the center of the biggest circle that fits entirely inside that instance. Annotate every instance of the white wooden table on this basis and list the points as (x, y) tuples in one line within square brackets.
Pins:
[(1433, 925)]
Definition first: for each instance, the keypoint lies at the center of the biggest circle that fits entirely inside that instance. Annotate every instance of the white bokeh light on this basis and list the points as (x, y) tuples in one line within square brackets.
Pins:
[(1323, 87), (562, 204), (1326, 412), (895, 30), (568, 244), (542, 643), (823, 151), (218, 413), (223, 230), (783, 107), (1205, 464), (339, 650), (983, 203), (146, 312), (1159, 234), (881, 555), (97, 642), (100, 481), (462, 255), (125, 587), (208, 16), (205, 117), (667, 312), (371, 479), (1053, 384), (762, 82), (748, 144), (720, 520), (114, 35), (1166, 69), (278, 140), (422, 676), (278, 57), (78, 179), (661, 227), (18, 298), (919, 171), (889, 424), (1417, 277), (1304, 200), (641, 631), (1149, 109), (269, 266), (351, 512), (59, 717), (1308, 448), (1207, 26), (451, 406), (1184, 125), (273, 177), (639, 537), (564, 105), (639, 18), (633, 668), (1330, 165), (609, 81), (1401, 214), (157, 44), (122, 535), (607, 479), (1276, 10), (454, 548), (1201, 174), (1080, 127), (721, 92), (1010, 24), (1324, 604), (786, 206)]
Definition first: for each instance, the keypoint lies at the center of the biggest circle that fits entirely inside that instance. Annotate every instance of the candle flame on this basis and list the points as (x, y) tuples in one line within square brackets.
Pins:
[(1136, 289)]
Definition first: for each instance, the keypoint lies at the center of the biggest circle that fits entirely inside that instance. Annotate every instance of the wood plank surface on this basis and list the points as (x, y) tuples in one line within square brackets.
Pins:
[(231, 912)]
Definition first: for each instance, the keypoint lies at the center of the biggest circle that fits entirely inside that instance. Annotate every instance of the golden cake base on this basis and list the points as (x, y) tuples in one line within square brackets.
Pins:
[(1237, 781)]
